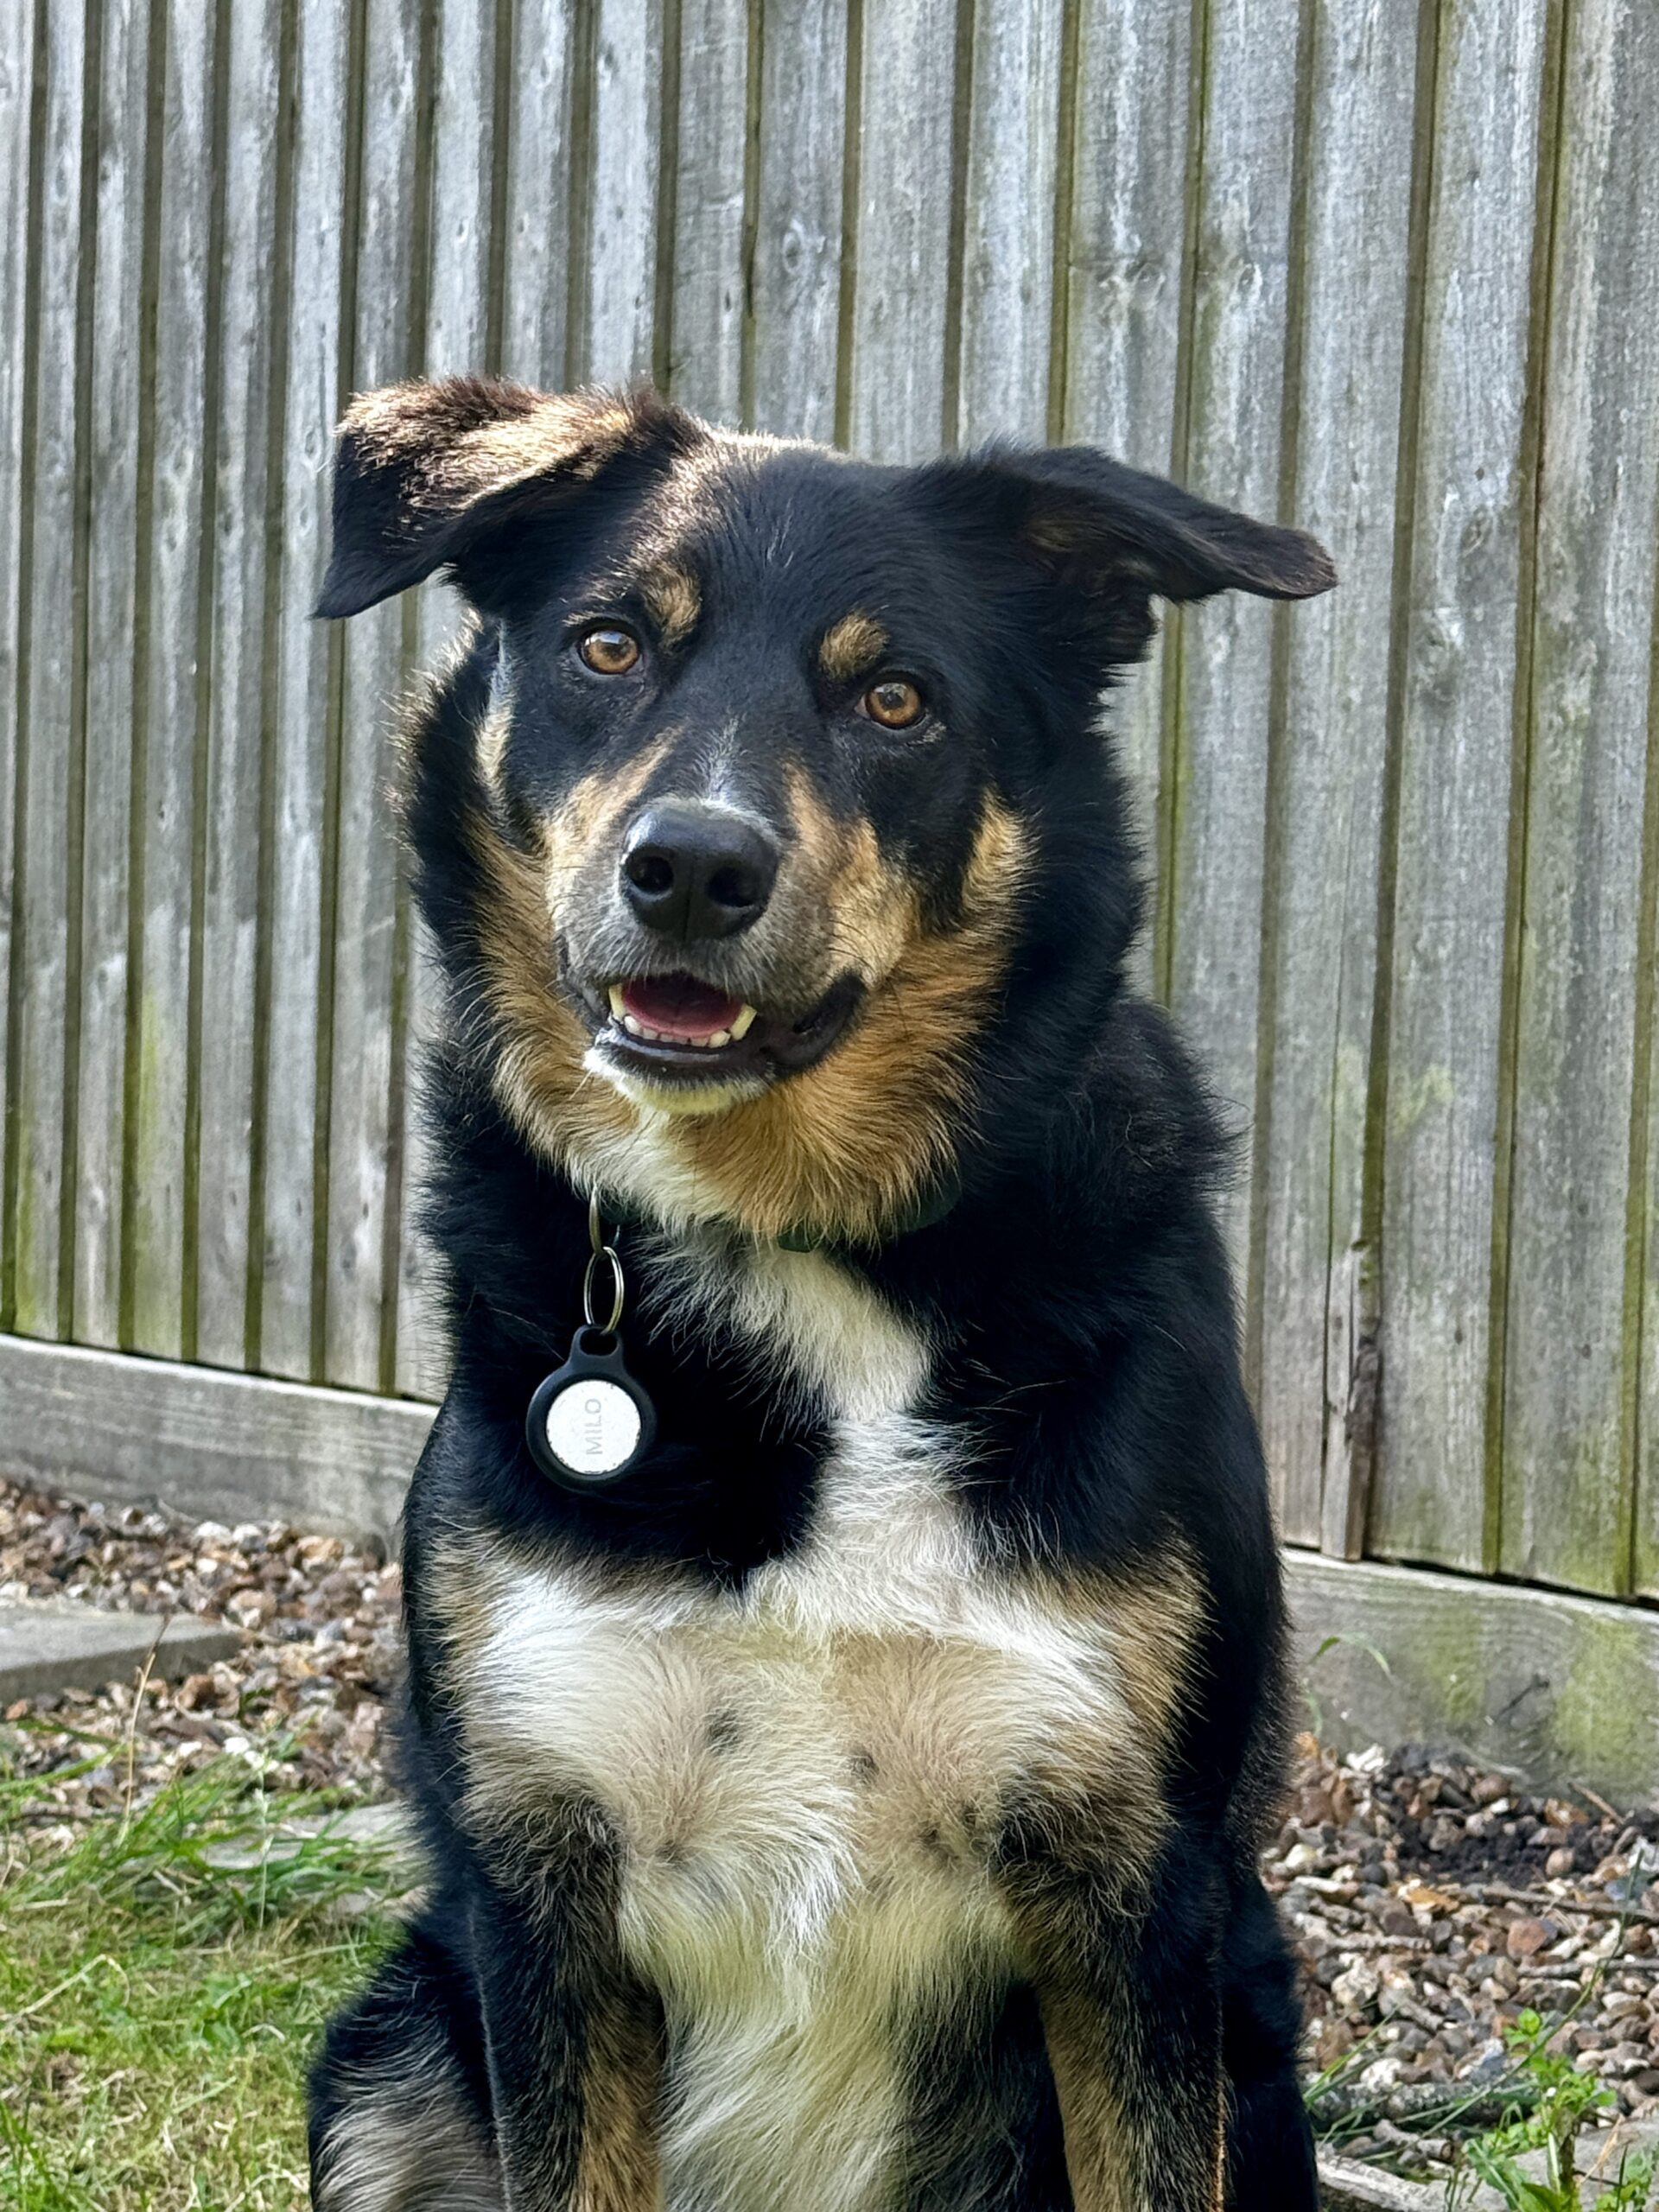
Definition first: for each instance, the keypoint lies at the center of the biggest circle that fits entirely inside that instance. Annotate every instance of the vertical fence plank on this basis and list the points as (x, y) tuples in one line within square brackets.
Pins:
[(456, 337), (1120, 342), (458, 308), (795, 278), (619, 283), (537, 265), (1644, 1291), (1454, 824), (117, 398), (704, 341), (1326, 813), (229, 920), (36, 1099), (16, 90), (291, 947), (157, 1163), (1008, 276), (1218, 716), (900, 333), (367, 946), (1568, 1436)]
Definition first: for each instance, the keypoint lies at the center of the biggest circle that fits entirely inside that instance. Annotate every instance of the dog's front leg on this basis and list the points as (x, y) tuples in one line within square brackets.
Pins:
[(1130, 2002), (573, 2041)]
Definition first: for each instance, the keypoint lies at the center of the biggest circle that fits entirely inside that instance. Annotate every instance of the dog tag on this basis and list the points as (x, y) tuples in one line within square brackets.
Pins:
[(590, 1423)]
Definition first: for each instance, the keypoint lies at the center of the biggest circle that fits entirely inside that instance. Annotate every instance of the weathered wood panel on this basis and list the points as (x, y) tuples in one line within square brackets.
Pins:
[(1471, 505), (1214, 794), (1382, 269), (224, 1042), (460, 332), (1569, 1404), (704, 346), (539, 253), (1007, 271), (796, 274), (1643, 1244), (1312, 1274), (618, 272), (902, 340), (307, 316), (365, 941), (171, 704), (51, 699), (1123, 303), (126, 240), (17, 239)]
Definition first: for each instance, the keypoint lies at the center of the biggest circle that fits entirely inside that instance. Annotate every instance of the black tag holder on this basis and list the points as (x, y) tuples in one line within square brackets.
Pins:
[(589, 1423)]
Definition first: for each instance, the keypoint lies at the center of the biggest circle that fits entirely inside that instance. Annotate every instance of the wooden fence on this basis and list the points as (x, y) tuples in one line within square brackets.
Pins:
[(1390, 270)]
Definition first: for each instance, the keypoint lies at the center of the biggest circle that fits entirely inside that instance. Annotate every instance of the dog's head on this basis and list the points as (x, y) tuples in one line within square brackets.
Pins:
[(774, 745)]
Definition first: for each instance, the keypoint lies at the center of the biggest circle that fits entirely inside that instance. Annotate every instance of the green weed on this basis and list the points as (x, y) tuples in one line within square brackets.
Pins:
[(1565, 2102)]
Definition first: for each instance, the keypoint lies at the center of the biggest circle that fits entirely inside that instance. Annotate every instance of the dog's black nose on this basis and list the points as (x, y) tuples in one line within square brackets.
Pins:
[(693, 869)]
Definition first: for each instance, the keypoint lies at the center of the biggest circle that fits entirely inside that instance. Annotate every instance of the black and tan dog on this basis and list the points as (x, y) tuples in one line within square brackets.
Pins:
[(856, 1808)]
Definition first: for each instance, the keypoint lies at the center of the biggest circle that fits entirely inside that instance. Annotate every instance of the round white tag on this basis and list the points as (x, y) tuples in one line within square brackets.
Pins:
[(593, 1427)]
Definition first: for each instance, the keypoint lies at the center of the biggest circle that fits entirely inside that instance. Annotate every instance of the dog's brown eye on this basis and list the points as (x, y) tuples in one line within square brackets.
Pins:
[(894, 702), (609, 651)]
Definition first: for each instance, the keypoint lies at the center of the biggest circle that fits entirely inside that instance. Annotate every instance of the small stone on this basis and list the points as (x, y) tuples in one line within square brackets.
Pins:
[(1527, 1937), (1356, 1989), (1560, 1862), (251, 1609)]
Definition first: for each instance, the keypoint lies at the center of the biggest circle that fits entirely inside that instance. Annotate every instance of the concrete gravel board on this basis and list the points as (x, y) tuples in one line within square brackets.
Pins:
[(55, 1644)]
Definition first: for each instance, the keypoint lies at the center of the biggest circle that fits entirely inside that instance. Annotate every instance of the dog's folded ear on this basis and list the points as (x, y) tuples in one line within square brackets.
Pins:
[(425, 471), (1120, 538)]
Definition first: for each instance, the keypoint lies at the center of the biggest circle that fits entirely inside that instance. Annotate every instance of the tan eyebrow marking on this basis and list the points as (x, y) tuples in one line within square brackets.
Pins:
[(854, 643), (671, 594)]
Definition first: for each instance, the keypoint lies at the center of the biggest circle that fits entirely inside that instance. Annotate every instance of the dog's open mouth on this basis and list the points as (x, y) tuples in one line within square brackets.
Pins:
[(678, 1028), (679, 1010)]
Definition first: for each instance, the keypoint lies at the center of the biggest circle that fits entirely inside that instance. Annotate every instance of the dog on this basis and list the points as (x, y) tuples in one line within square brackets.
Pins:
[(852, 1801)]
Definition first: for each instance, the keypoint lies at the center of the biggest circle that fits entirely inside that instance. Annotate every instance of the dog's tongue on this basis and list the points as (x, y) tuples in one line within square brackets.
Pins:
[(679, 1005)]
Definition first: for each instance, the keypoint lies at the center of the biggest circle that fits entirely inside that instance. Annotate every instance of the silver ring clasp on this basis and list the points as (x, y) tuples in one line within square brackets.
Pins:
[(601, 1250)]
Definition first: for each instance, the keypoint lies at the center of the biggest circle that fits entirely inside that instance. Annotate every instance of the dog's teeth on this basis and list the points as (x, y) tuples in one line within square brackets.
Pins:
[(740, 1028), (618, 1005), (721, 1037), (634, 1029)]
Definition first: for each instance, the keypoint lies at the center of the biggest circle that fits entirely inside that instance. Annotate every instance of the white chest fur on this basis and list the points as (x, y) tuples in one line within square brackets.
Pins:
[(806, 1775)]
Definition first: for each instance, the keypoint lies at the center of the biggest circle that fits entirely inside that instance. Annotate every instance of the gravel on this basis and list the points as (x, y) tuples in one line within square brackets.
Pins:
[(305, 1696), (1431, 1900)]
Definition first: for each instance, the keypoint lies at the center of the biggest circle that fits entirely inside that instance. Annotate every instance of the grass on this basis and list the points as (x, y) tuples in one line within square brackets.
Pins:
[(158, 2004)]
